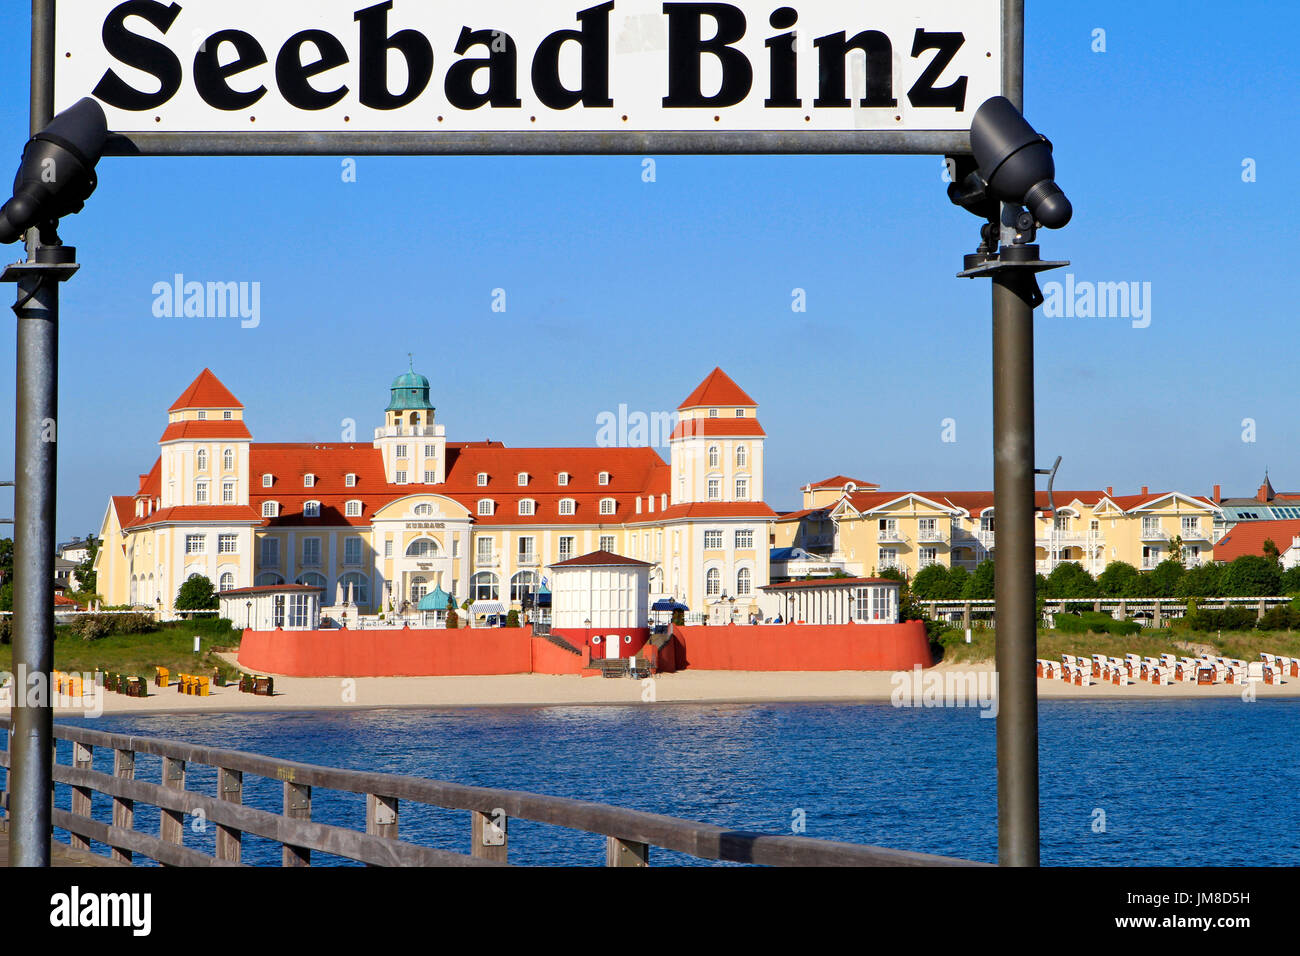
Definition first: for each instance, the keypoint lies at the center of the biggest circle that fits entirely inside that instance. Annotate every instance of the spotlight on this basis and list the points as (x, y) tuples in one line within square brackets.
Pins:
[(57, 172), (1015, 163)]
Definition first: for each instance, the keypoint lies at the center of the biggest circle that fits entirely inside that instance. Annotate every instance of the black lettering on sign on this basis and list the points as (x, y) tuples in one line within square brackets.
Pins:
[(833, 49), (593, 37), (210, 75), (293, 76), (500, 63), (686, 48), (923, 91), (140, 52), (375, 44)]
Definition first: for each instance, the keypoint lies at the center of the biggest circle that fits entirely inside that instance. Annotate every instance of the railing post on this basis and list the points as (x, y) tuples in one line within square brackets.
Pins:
[(81, 796), (297, 806), (123, 808), (381, 816), (171, 823), (488, 835), (230, 787), (626, 852)]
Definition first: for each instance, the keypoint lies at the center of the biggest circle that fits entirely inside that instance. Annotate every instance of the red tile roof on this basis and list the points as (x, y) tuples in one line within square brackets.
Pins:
[(601, 559), (717, 389), (1129, 502), (124, 508), (827, 582), (191, 514), (177, 431), (707, 509), (264, 588), (839, 481), (727, 426), (206, 391), (1247, 537)]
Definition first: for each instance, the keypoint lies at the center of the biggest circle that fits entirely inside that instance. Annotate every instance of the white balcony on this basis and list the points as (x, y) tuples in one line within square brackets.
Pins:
[(1152, 533), (932, 536), (527, 560), (1194, 534), (891, 536), (410, 431), (985, 538), (486, 561)]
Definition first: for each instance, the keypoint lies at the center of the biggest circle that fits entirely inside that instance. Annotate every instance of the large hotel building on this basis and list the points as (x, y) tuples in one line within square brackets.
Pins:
[(388, 520)]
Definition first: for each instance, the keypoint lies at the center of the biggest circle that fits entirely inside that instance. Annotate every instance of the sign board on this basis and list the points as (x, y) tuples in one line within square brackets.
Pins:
[(509, 76)]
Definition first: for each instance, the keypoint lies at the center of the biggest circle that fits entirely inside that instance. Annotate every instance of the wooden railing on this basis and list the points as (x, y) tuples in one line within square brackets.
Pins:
[(629, 833)]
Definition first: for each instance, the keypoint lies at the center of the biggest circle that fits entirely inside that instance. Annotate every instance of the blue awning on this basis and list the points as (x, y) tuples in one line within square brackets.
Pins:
[(435, 600), (668, 604)]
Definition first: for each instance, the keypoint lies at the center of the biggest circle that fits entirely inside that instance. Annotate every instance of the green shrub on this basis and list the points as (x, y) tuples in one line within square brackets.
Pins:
[(512, 618), (1228, 619), (6, 629), (1282, 618), (1095, 622)]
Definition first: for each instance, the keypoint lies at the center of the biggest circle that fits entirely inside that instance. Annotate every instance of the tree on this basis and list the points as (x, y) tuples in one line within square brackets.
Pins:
[(1290, 580), (957, 578), (453, 620), (196, 594), (933, 583), (1251, 575), (1175, 549), (1202, 580), (1270, 550), (1162, 580), (1070, 580), (979, 587), (1120, 579), (86, 577)]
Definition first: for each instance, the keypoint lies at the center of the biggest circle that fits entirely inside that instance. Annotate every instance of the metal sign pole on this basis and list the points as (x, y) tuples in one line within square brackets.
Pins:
[(35, 433)]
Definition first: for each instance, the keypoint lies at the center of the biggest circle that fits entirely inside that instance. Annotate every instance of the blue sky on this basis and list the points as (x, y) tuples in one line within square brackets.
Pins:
[(621, 291)]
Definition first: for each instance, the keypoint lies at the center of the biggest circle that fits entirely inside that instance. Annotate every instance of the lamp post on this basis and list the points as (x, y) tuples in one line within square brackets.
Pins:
[(248, 615)]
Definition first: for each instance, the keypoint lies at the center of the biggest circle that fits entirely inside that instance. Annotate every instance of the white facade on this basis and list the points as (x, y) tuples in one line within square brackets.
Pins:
[(600, 596)]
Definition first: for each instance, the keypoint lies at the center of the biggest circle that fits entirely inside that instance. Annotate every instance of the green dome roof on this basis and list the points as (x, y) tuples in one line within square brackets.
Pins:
[(410, 390)]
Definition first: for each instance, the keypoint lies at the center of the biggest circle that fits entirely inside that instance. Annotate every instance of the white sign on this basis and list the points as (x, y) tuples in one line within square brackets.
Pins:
[(547, 66)]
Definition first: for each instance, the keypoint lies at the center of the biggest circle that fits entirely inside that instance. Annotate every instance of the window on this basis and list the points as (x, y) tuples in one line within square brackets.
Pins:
[(194, 544), (744, 582), (485, 547), (429, 451), (986, 522), (742, 457), (1191, 526), (424, 508), (388, 547), (297, 610), (713, 413), (277, 612), (740, 413), (228, 459), (422, 548), (563, 479), (485, 506), (482, 479), (312, 579), (888, 558), (400, 478), (523, 479), (566, 506), (201, 460), (227, 492), (203, 416), (483, 587), (267, 579), (744, 540), (351, 550), (360, 585), (201, 493), (352, 509), (455, 546), (742, 489), (603, 478), (928, 556), (606, 542), (527, 555), (713, 541), (270, 509), (350, 480), (1150, 557), (713, 456), (566, 547), (715, 489), (401, 451), (522, 584), (419, 588), (309, 481), (227, 543), (526, 506), (266, 480), (713, 583), (311, 551), (883, 606), (227, 582), (271, 552), (311, 509), (430, 477), (1192, 555), (607, 506)]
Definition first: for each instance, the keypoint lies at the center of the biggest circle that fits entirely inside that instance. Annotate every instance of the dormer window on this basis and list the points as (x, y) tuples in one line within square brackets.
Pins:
[(270, 509), (563, 479), (713, 413), (227, 415), (482, 479), (311, 509), (740, 413), (423, 509), (350, 480), (567, 506), (352, 509), (604, 478), (267, 480), (203, 416), (309, 481), (527, 506), (523, 479), (607, 506), (485, 506)]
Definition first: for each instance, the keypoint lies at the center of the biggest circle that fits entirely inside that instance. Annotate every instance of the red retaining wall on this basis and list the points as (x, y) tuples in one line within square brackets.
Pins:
[(797, 647)]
